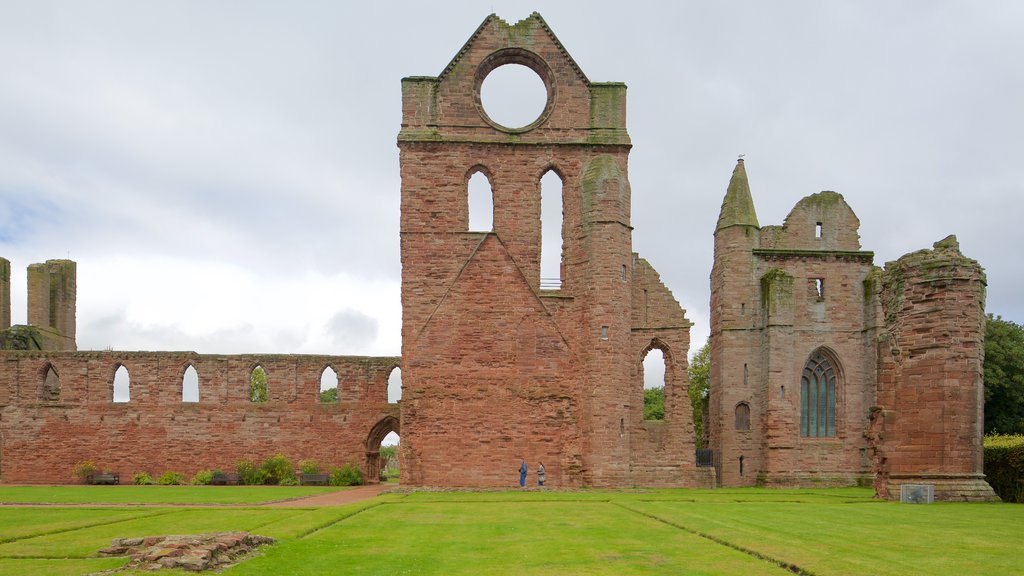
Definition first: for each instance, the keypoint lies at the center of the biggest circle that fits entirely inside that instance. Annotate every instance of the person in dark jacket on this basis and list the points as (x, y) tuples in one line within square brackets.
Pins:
[(522, 473)]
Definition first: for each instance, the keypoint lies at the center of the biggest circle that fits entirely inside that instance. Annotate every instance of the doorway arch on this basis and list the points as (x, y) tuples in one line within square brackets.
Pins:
[(382, 428)]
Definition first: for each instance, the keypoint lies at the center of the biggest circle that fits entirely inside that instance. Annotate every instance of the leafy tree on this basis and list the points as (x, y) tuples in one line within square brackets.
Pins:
[(389, 461), (654, 403), (700, 383), (258, 385), (329, 396), (1004, 376)]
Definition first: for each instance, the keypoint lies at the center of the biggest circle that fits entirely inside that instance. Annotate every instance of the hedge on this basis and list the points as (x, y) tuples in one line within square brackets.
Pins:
[(1004, 465)]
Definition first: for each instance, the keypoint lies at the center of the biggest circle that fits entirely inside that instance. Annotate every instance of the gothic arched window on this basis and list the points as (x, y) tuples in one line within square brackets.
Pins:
[(818, 397)]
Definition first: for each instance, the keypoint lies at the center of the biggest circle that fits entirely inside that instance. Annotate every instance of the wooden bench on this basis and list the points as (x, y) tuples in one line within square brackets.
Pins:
[(224, 479), (105, 478), (314, 479)]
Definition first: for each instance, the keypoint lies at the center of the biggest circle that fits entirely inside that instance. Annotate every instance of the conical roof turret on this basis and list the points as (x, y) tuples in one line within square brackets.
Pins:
[(738, 205)]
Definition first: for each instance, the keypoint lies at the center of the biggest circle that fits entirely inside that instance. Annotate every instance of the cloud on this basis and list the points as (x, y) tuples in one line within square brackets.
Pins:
[(350, 329), (227, 178)]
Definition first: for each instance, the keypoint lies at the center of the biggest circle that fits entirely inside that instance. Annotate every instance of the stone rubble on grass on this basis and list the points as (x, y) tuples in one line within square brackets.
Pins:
[(194, 552)]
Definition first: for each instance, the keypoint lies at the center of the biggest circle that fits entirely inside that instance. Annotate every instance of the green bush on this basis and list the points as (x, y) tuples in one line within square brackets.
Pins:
[(248, 472), (202, 478), (277, 469), (85, 469), (1004, 465), (142, 478), (347, 475), (309, 466), (293, 481), (170, 479)]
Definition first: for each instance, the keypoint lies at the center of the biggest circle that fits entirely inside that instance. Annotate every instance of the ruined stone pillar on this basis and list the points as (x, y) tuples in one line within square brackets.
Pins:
[(5, 293), (928, 424), (52, 294)]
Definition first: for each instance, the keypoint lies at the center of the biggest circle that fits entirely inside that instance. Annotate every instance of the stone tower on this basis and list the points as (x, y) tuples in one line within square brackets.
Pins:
[(735, 339), (791, 343), (52, 295), (928, 425), (496, 366), (826, 370), (5, 293)]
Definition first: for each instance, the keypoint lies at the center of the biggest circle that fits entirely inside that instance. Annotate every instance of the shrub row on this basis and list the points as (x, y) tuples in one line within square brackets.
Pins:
[(1004, 465), (276, 470)]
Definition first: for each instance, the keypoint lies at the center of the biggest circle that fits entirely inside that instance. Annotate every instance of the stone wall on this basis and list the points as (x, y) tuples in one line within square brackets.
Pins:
[(496, 366), (43, 435)]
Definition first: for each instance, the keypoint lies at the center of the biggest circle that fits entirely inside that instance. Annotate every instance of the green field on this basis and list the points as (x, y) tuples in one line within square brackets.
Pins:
[(741, 531), (131, 494)]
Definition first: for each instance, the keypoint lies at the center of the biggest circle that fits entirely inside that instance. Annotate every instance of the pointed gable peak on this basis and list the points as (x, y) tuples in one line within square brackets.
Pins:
[(518, 35), (738, 205)]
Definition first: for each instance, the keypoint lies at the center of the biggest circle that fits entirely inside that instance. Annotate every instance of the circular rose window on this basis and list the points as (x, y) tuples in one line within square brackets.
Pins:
[(513, 93)]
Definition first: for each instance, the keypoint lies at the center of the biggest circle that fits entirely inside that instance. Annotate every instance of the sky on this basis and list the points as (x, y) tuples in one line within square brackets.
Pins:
[(225, 173)]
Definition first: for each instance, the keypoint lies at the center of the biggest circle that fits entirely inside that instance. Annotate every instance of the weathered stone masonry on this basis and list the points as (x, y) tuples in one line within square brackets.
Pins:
[(825, 370), (44, 435), (849, 372), (495, 366)]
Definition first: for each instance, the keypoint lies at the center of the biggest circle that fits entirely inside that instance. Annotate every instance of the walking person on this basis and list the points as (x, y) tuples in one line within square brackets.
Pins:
[(522, 473), (541, 475)]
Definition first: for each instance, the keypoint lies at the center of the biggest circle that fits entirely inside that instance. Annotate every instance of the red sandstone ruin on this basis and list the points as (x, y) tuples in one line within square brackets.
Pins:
[(825, 368)]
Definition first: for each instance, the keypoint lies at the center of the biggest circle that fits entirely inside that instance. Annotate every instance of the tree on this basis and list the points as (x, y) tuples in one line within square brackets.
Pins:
[(654, 403), (258, 385), (328, 396), (1004, 376), (389, 460), (700, 383)]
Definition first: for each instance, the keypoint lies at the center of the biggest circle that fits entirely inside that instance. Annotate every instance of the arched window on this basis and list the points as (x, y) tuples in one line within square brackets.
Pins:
[(190, 385), (480, 197), (51, 386), (818, 397), (328, 386), (122, 385), (258, 384), (743, 416), (395, 385), (654, 368), (551, 238)]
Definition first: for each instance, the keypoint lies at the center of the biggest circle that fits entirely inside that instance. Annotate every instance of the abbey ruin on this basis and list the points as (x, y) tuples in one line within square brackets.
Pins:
[(825, 369)]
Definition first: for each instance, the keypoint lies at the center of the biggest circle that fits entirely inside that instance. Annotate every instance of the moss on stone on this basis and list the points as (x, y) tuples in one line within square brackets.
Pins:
[(21, 337), (738, 205)]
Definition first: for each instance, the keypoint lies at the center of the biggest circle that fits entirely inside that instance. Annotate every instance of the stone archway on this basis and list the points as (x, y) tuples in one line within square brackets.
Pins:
[(381, 429)]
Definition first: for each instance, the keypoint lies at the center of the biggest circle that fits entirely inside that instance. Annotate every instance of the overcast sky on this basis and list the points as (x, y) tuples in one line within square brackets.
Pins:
[(226, 175)]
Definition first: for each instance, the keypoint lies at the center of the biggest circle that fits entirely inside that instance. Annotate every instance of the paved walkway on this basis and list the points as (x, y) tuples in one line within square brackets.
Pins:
[(335, 498)]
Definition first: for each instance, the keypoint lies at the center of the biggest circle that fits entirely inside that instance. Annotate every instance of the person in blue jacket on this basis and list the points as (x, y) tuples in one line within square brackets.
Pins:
[(522, 473)]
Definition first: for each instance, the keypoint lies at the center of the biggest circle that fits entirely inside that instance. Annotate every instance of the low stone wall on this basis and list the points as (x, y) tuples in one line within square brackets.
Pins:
[(43, 434)]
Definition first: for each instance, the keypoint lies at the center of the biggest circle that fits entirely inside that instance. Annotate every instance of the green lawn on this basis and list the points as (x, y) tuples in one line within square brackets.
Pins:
[(131, 494), (742, 531)]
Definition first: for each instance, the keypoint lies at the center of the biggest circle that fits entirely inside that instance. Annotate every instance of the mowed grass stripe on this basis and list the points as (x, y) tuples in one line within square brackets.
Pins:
[(21, 523), (580, 537), (130, 494), (59, 567), (788, 566), (887, 539), (81, 543)]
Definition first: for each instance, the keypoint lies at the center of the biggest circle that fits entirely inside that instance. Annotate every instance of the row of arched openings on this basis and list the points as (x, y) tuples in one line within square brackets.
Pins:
[(480, 198), (258, 385)]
